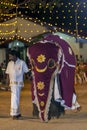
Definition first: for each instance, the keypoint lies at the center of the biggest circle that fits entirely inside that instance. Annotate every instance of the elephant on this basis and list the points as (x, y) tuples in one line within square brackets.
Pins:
[(53, 65)]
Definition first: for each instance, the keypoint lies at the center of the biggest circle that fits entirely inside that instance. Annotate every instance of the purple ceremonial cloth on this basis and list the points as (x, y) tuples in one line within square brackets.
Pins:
[(42, 55), (65, 47), (68, 72)]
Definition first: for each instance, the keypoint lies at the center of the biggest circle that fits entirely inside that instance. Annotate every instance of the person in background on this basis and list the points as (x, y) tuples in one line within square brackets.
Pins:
[(15, 75), (1, 74)]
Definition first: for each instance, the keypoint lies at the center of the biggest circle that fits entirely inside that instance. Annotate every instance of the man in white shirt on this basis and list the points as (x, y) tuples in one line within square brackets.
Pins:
[(15, 74)]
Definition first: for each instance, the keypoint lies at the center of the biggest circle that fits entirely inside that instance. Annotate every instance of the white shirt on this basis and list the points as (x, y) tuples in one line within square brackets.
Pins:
[(16, 71)]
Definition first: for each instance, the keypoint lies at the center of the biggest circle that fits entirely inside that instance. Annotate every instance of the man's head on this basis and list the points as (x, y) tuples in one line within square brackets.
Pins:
[(13, 55)]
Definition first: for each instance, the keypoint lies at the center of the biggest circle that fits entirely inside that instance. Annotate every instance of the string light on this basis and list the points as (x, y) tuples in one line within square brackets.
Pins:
[(10, 15), (8, 24), (69, 7), (7, 33), (8, 4)]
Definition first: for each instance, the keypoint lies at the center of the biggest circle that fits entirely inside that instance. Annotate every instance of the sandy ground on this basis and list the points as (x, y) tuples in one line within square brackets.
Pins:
[(69, 121)]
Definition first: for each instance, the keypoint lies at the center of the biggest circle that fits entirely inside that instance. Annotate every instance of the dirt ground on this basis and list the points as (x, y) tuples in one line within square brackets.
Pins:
[(69, 121)]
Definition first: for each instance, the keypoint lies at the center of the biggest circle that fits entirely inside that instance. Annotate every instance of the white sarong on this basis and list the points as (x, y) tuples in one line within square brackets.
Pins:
[(15, 100)]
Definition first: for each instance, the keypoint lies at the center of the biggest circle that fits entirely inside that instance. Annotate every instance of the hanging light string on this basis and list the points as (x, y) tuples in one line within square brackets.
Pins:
[(70, 23)]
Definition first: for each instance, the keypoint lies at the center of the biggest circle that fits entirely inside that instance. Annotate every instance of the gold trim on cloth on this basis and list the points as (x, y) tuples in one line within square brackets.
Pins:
[(41, 70), (41, 58), (41, 94), (42, 103), (16, 83), (40, 85)]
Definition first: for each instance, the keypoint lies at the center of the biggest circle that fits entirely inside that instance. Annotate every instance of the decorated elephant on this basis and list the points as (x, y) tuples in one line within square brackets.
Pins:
[(53, 68)]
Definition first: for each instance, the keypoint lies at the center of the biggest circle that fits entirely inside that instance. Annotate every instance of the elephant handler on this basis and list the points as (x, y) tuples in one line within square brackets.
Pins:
[(15, 76)]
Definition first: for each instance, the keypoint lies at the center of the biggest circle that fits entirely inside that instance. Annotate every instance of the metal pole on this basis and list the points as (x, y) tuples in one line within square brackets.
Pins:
[(16, 8), (76, 22), (16, 18)]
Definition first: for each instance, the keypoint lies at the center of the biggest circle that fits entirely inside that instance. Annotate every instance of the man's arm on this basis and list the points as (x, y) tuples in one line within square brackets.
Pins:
[(7, 80), (29, 75)]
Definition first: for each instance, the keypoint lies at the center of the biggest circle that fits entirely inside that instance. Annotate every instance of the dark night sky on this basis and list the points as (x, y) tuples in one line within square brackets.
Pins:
[(63, 17)]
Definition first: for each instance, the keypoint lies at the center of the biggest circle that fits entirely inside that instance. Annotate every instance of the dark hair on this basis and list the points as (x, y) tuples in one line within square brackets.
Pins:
[(14, 53)]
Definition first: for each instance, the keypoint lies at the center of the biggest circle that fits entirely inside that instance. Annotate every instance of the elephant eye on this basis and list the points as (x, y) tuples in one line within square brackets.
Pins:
[(51, 63), (32, 63)]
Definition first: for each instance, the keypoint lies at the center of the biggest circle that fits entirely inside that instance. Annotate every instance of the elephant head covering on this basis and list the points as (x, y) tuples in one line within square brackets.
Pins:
[(50, 57)]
